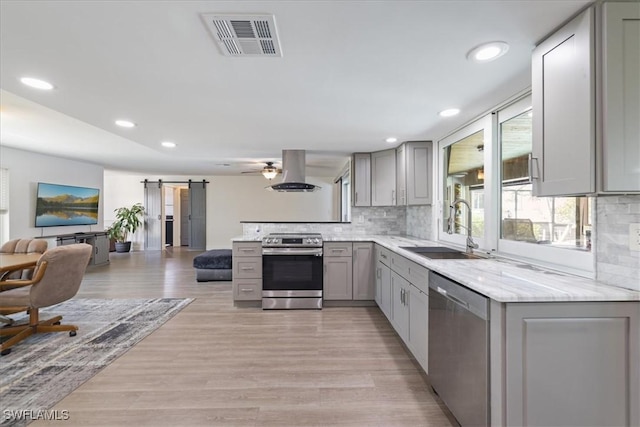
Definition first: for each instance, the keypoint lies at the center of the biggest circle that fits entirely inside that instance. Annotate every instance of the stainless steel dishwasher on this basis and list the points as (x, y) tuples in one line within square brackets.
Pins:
[(459, 349)]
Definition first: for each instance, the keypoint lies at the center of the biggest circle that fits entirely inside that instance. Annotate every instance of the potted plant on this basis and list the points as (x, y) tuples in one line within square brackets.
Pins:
[(128, 220)]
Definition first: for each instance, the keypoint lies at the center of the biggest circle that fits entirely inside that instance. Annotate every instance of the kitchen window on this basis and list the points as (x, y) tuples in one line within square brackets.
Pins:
[(465, 157), (506, 217)]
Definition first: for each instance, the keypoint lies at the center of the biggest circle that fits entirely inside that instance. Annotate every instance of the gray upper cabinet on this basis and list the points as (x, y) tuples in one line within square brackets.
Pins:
[(621, 97), (563, 97), (383, 178), (586, 104), (401, 175), (361, 179), (418, 168), (414, 173)]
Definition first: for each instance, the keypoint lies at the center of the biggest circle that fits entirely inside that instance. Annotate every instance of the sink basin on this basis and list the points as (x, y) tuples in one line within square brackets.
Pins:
[(439, 252)]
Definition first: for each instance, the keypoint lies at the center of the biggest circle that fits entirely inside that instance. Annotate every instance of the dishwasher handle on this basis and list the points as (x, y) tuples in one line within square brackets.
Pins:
[(451, 298)]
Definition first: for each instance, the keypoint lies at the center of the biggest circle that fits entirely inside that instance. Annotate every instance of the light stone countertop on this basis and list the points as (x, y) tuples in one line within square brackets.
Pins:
[(499, 279)]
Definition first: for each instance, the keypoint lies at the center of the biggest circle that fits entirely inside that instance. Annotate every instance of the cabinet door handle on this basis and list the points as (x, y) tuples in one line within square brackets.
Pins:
[(393, 195), (378, 272), (356, 200), (531, 168), (325, 268), (383, 256)]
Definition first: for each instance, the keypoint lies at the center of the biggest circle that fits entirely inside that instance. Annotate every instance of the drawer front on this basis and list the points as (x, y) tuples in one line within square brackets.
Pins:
[(337, 249), (419, 277), (414, 273), (247, 249), (400, 265), (247, 268), (383, 255), (247, 289)]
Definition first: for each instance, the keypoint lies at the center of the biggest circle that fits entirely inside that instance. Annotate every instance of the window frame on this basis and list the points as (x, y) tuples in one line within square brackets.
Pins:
[(481, 124), (573, 261)]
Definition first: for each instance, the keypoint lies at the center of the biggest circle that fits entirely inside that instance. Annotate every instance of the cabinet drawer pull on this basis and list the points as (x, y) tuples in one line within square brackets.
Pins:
[(246, 290), (383, 256), (247, 249), (246, 268), (338, 250)]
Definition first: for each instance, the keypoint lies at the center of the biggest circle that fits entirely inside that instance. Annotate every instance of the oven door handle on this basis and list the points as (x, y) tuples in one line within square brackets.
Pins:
[(292, 251)]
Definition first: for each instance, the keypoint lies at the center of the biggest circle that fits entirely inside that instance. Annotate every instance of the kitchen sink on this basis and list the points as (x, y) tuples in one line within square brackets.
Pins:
[(439, 252)]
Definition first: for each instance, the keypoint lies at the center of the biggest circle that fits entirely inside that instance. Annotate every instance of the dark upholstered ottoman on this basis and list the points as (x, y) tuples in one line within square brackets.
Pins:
[(213, 265)]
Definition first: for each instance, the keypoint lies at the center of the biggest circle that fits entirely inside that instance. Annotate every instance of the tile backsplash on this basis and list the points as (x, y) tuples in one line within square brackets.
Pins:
[(616, 264), (369, 220), (419, 222)]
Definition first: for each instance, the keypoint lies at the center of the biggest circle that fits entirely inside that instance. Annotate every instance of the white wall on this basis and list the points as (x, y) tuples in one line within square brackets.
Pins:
[(230, 199), (26, 169)]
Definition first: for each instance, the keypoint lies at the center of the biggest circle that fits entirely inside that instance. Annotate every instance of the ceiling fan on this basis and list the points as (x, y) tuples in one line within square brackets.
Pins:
[(269, 171)]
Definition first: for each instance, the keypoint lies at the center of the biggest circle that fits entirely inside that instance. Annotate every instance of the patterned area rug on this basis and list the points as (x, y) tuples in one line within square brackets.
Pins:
[(46, 362)]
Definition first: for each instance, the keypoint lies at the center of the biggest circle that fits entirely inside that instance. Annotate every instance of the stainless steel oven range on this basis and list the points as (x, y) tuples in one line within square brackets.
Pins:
[(292, 271)]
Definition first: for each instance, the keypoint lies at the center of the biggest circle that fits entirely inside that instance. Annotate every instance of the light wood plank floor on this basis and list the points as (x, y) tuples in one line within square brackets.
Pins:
[(217, 365)]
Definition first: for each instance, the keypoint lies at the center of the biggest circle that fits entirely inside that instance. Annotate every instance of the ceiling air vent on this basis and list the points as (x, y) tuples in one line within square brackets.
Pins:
[(244, 35)]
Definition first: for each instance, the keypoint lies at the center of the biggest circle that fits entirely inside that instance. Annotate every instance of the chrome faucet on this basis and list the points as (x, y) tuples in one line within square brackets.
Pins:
[(471, 245)]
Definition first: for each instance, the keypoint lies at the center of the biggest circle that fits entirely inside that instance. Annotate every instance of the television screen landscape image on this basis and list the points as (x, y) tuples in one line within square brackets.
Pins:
[(59, 205)]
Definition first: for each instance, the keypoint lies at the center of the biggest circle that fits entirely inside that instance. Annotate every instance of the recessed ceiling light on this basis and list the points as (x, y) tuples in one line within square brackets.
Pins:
[(391, 140), (487, 52), (36, 83), (449, 112), (125, 123), (168, 144)]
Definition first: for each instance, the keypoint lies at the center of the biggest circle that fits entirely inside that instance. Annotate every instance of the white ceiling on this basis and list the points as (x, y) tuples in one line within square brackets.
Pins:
[(352, 74)]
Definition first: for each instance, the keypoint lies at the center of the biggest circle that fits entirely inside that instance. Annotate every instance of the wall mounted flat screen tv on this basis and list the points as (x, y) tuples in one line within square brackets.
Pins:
[(59, 205)]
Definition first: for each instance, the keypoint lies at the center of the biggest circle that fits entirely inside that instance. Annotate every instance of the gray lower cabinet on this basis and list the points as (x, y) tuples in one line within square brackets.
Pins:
[(402, 293), (338, 271), (572, 364), (363, 281), (348, 271), (383, 280), (400, 305), (418, 302), (247, 271)]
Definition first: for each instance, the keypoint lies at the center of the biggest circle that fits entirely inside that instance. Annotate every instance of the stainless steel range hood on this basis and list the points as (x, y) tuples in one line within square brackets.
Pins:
[(293, 173)]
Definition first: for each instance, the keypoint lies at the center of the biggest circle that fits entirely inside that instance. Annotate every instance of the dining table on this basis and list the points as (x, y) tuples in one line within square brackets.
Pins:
[(13, 262)]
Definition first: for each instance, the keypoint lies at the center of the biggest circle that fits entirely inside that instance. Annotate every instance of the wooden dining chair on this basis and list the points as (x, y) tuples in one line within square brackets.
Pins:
[(56, 278)]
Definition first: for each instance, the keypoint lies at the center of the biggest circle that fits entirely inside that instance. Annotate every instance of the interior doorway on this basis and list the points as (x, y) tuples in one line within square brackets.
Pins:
[(175, 214)]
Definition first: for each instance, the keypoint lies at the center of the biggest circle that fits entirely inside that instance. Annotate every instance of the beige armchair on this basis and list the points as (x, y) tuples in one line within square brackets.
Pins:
[(22, 246), (56, 278)]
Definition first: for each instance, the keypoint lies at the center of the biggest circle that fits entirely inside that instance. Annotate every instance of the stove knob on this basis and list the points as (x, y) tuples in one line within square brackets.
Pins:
[(308, 240), (316, 240), (268, 240)]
